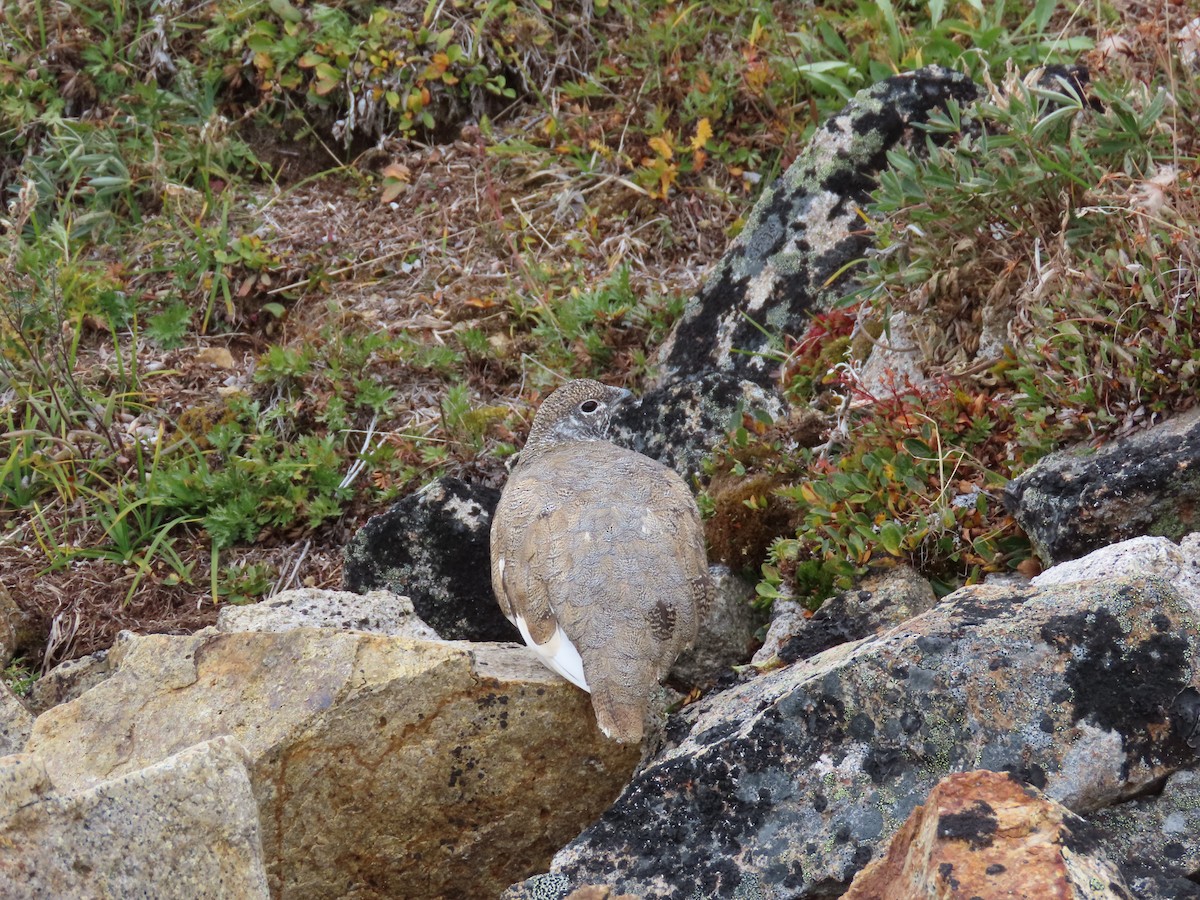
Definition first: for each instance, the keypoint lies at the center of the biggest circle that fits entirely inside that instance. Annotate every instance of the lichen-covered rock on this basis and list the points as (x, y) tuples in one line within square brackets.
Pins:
[(680, 423), (797, 777), (986, 834), (1076, 501), (432, 546), (727, 632), (1156, 839), (185, 827), (377, 612), (1141, 556), (15, 722), (802, 232), (69, 679), (880, 601), (415, 768)]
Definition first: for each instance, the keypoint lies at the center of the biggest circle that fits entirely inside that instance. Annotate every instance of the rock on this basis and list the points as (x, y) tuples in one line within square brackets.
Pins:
[(1140, 556), (788, 619), (985, 834), (801, 233), (184, 827), (1156, 838), (882, 599), (894, 364), (9, 617), (377, 612), (679, 423), (415, 768), (1155, 886), (795, 778), (17, 628), (727, 632), (68, 680), (1076, 501), (432, 546), (598, 892), (15, 722)]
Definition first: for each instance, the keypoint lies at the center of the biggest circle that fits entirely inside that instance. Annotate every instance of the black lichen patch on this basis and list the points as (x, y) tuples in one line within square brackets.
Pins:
[(824, 630), (1127, 687), (946, 874), (679, 423), (716, 733), (977, 826), (1030, 773), (1185, 717), (686, 820), (884, 763), (1080, 836), (862, 728), (433, 546)]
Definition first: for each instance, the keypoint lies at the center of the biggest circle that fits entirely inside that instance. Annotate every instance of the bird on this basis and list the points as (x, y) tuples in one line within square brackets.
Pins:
[(598, 557)]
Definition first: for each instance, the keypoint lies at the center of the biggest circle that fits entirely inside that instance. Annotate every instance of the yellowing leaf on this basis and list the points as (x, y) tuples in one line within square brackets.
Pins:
[(395, 177), (703, 133), (396, 172), (661, 147), (328, 78)]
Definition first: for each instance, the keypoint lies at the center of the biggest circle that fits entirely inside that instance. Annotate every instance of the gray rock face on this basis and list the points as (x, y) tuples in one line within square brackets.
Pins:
[(880, 601), (1138, 557), (802, 231), (796, 778), (679, 423), (726, 632), (1077, 501), (432, 546), (1156, 838), (186, 827), (378, 612)]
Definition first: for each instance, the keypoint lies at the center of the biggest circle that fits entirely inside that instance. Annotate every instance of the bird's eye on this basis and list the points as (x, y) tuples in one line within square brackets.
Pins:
[(589, 406)]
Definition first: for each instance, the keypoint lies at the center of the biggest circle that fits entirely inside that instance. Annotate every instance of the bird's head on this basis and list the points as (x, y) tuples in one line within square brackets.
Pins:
[(578, 411)]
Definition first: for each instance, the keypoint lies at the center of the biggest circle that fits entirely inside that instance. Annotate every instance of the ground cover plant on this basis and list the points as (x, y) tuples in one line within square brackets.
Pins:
[(269, 266)]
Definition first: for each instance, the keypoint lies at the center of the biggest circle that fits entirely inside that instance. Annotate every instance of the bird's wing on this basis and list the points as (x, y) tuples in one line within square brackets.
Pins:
[(527, 539)]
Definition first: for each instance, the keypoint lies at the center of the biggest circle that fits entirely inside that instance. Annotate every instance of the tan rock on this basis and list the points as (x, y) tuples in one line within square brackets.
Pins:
[(15, 722), (379, 612), (986, 834), (68, 680), (408, 768), (186, 827), (599, 892)]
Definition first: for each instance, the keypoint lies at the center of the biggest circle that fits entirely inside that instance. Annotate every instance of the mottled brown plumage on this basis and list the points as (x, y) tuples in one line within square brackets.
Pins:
[(598, 556)]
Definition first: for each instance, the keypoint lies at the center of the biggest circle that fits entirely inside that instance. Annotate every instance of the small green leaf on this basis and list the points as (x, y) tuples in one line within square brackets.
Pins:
[(891, 537), (285, 10)]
